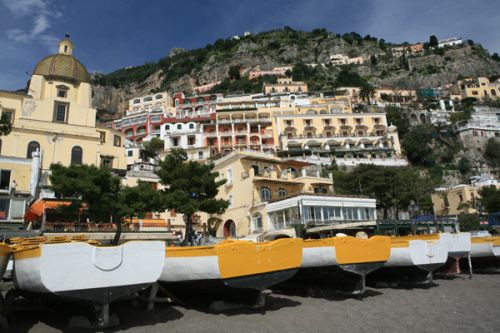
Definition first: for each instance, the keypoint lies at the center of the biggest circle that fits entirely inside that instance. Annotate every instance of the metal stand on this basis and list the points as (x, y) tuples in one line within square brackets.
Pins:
[(469, 261), (3, 313), (152, 299), (103, 318)]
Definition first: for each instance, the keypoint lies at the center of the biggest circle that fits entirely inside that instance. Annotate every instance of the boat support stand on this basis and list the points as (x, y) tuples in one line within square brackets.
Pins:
[(361, 269)]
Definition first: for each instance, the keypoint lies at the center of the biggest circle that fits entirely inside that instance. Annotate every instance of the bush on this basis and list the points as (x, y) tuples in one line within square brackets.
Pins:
[(468, 222)]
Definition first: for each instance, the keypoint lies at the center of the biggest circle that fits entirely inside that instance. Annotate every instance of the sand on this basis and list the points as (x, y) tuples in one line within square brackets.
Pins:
[(456, 304)]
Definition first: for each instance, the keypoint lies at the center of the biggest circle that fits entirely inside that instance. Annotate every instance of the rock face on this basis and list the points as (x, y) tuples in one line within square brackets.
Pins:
[(182, 70)]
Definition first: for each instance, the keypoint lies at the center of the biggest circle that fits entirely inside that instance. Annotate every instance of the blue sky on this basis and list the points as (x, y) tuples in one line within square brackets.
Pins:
[(110, 34)]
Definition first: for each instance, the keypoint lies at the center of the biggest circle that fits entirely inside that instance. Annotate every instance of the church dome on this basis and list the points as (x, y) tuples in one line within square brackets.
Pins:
[(63, 66)]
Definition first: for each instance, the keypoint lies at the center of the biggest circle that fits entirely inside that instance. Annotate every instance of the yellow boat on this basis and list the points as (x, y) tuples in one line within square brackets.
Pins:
[(243, 265)]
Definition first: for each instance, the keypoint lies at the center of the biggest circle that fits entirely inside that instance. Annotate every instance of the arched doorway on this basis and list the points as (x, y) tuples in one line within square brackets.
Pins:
[(229, 229)]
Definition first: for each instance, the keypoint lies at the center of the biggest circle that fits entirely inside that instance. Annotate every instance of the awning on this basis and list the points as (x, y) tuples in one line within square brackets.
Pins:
[(37, 209)]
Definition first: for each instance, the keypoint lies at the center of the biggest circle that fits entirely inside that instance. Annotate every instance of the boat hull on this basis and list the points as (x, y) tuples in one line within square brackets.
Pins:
[(483, 247), (459, 244), (427, 252), (233, 264), (87, 272), (4, 259)]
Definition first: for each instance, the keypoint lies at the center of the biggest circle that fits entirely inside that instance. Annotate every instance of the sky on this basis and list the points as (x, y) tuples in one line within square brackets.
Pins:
[(111, 34)]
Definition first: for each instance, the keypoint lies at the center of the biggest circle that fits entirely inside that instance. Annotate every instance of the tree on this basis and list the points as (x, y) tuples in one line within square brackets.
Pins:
[(152, 147), (381, 44), (373, 60), (190, 187), (495, 57), (464, 165), (490, 198), (468, 222), (433, 41), (393, 187), (492, 152), (5, 125), (395, 117), (140, 199), (234, 73), (349, 78), (95, 186), (367, 92), (417, 145)]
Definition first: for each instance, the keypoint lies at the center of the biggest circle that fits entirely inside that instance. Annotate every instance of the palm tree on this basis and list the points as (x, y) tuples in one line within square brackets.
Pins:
[(366, 92)]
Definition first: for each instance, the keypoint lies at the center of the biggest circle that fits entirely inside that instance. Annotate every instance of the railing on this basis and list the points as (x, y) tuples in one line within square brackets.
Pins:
[(323, 136)]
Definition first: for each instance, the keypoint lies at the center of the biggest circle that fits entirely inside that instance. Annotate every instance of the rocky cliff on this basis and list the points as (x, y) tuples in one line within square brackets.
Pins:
[(182, 70)]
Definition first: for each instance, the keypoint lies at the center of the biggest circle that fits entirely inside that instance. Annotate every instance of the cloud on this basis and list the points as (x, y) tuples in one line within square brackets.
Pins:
[(40, 13)]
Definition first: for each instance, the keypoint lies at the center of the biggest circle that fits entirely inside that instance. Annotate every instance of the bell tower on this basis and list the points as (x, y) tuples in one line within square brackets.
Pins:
[(66, 46)]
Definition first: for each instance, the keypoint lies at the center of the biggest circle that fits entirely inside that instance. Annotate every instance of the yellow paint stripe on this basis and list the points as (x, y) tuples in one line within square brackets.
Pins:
[(4, 250), (350, 250), (28, 253)]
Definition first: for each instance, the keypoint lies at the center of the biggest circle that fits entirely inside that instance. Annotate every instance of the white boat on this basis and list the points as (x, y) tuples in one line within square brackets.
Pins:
[(484, 247), (232, 264), (427, 252), (4, 258), (82, 270), (459, 244)]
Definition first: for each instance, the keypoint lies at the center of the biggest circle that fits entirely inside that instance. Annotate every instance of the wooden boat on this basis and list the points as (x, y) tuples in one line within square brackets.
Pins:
[(356, 255), (428, 252), (484, 247), (82, 270), (4, 258), (459, 246), (231, 265)]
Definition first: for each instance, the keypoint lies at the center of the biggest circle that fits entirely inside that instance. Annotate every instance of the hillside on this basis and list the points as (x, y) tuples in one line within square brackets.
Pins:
[(182, 70)]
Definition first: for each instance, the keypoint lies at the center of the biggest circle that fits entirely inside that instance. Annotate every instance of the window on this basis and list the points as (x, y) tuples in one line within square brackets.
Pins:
[(474, 92), (130, 153), (148, 99), (175, 142), (9, 114), (76, 155), (326, 121), (159, 96), (460, 198), (107, 162), (17, 209), (255, 168), (137, 101), (191, 140), (320, 190), (4, 179), (265, 193), (179, 126), (289, 123), (102, 136), (230, 200), (282, 192), (257, 223), (117, 141), (4, 208), (167, 127), (191, 126), (62, 91), (61, 112), (200, 155), (32, 147), (229, 176)]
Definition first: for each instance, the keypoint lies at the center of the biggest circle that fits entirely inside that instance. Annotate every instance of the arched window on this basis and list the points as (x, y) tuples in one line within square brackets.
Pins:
[(265, 193), (191, 126), (282, 192), (32, 147), (179, 126), (159, 96), (137, 101), (76, 155)]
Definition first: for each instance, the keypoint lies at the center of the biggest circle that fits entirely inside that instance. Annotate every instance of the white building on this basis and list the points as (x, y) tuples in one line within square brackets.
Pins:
[(483, 125), (450, 41), (341, 59), (188, 136)]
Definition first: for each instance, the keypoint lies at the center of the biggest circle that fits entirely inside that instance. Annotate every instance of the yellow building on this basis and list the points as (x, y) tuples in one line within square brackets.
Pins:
[(341, 134), (458, 199), (285, 85), (269, 193), (479, 88), (56, 119)]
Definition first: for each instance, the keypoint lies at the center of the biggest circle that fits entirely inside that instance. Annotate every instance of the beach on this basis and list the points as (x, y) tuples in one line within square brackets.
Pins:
[(455, 304)]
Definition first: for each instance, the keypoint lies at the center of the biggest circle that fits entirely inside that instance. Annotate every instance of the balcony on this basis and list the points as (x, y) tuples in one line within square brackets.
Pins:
[(267, 135), (226, 133)]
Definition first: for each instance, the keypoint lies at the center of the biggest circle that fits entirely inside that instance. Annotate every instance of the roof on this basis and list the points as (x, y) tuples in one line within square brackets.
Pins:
[(63, 67)]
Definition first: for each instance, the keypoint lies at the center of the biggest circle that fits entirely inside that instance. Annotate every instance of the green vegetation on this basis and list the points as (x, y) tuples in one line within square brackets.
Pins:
[(396, 118), (140, 199), (417, 145), (5, 125), (152, 147), (190, 187), (433, 41), (490, 198), (243, 85), (366, 92), (468, 222), (492, 152), (393, 187)]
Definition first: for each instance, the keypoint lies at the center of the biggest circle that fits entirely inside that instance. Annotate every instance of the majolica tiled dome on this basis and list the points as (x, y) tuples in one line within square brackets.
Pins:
[(62, 66)]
